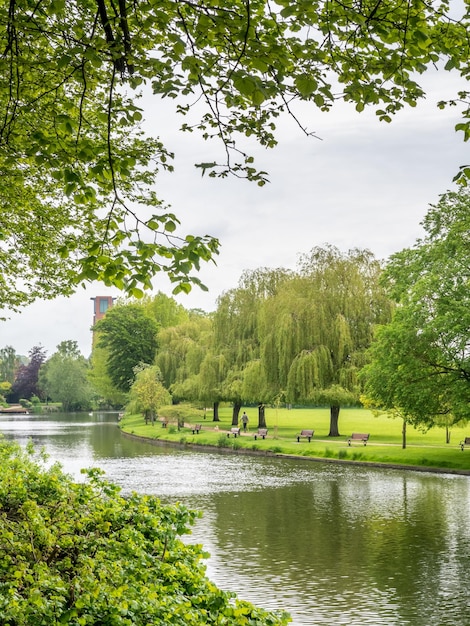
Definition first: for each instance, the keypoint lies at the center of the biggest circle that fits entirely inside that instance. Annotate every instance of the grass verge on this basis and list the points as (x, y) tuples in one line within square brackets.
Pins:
[(424, 449)]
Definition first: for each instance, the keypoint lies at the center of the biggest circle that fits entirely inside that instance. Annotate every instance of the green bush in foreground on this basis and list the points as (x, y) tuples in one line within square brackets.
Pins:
[(81, 554)]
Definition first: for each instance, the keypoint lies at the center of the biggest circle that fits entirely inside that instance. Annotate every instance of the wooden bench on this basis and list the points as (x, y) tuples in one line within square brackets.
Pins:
[(234, 431), (196, 428), (262, 432), (164, 423), (465, 442), (305, 433), (364, 437)]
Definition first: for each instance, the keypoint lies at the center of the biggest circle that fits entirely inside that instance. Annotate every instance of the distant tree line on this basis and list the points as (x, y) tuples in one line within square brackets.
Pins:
[(341, 329)]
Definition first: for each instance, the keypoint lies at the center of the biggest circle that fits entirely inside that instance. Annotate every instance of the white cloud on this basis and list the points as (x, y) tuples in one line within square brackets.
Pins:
[(366, 184)]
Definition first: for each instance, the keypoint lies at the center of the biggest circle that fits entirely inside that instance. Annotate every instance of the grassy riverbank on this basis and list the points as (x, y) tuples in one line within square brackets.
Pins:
[(427, 450)]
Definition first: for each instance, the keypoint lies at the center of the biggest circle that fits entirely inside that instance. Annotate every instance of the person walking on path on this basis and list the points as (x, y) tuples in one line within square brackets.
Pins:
[(245, 421)]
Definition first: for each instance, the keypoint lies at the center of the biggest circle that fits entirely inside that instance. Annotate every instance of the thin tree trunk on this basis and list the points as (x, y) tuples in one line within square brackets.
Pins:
[(403, 432), (334, 415), (216, 412), (261, 416), (447, 434), (235, 413)]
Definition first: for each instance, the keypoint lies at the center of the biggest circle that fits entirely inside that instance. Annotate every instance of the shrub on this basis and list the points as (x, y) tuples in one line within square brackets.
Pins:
[(181, 413), (223, 441), (81, 554)]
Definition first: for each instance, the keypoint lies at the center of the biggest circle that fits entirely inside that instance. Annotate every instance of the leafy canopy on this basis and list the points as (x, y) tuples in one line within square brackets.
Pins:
[(421, 360), (130, 337), (63, 378), (77, 184)]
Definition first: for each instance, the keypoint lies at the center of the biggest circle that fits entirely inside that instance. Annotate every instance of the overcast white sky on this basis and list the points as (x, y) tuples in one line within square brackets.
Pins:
[(365, 184)]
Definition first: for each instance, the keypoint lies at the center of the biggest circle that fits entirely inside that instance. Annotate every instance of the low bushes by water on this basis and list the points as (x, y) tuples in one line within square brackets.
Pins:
[(80, 553)]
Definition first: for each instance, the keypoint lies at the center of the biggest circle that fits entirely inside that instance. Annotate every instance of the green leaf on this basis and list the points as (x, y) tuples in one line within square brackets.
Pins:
[(306, 85), (258, 97), (244, 84)]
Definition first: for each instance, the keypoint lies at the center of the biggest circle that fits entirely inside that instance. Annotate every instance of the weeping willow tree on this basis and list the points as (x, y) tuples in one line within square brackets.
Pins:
[(209, 382), (256, 389), (182, 348), (205, 385), (237, 334), (188, 365), (316, 329)]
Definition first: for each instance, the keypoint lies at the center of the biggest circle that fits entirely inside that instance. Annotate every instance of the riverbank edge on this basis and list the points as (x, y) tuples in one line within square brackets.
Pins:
[(246, 451)]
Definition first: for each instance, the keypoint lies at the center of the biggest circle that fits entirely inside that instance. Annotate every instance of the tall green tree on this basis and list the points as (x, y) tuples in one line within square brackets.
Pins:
[(255, 389), (237, 337), (160, 308), (64, 377), (182, 348), (209, 381), (317, 328), (189, 365), (76, 190), (420, 362), (130, 336), (205, 385)]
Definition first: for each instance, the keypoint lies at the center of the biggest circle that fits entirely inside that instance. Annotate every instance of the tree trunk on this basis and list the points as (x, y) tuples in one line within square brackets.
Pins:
[(447, 434), (261, 416), (216, 412), (403, 432), (334, 415), (235, 413)]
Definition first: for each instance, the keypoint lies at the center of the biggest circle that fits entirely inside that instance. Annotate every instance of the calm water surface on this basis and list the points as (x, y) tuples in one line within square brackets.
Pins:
[(331, 544)]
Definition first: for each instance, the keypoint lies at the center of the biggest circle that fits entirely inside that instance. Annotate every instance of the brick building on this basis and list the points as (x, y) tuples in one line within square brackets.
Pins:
[(100, 305)]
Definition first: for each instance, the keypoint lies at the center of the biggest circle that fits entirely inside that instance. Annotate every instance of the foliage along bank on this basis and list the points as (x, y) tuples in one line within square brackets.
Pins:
[(82, 554)]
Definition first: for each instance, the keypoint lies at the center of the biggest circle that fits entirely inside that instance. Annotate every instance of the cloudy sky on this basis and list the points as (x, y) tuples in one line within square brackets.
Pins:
[(361, 183)]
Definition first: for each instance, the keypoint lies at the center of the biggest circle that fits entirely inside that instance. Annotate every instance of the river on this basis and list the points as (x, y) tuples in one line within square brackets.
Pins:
[(331, 544)]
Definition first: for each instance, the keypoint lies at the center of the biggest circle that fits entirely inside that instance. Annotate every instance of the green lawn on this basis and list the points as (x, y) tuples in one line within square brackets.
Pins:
[(385, 444)]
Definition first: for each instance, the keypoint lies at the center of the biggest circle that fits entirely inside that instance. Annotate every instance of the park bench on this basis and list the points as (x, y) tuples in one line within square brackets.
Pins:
[(262, 432), (234, 432), (364, 437), (196, 428), (305, 433), (465, 442), (164, 423)]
